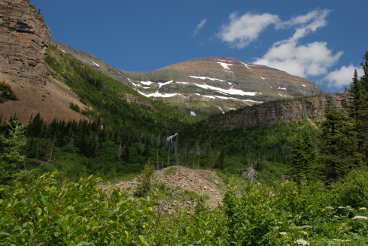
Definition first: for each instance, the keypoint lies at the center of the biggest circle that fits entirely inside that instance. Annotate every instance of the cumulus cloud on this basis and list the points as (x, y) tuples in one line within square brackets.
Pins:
[(311, 59), (316, 16), (342, 77), (199, 26), (242, 30), (301, 60), (312, 22)]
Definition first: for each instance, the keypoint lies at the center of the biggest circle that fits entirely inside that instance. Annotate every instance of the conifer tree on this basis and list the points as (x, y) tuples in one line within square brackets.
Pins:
[(338, 145), (359, 109), (302, 156), (11, 148)]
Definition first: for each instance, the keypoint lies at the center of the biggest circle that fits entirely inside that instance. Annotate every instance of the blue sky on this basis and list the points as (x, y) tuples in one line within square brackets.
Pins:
[(322, 40)]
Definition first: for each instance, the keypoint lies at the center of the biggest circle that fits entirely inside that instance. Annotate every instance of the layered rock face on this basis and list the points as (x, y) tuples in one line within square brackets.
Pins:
[(24, 40), (313, 108)]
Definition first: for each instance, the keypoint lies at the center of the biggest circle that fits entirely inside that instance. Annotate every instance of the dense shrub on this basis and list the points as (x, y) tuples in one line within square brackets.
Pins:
[(49, 211), (353, 190)]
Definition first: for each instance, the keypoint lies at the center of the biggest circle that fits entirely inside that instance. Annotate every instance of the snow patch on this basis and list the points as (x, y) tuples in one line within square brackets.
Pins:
[(165, 83), (211, 97), (158, 94), (94, 63), (230, 91), (282, 88), (232, 98), (147, 82), (206, 78), (246, 65), (225, 66)]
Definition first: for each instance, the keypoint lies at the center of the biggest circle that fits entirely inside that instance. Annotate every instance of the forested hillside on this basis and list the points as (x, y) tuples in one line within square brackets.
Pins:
[(310, 176)]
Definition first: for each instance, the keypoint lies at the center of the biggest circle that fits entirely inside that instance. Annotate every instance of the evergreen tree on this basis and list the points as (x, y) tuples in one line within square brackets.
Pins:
[(11, 149), (338, 145), (302, 156), (359, 109)]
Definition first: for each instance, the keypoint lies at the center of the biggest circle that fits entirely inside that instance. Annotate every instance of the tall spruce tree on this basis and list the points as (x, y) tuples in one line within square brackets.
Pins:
[(11, 149), (359, 109), (338, 145), (302, 156)]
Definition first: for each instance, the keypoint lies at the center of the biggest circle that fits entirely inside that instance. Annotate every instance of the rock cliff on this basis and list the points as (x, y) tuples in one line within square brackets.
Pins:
[(24, 40), (308, 108)]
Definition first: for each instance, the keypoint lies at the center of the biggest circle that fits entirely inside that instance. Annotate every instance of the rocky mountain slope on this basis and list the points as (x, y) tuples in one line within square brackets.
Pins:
[(198, 86), (307, 108), (24, 40), (206, 85)]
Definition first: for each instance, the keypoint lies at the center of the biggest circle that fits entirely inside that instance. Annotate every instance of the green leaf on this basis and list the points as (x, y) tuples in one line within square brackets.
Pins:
[(38, 211), (143, 241)]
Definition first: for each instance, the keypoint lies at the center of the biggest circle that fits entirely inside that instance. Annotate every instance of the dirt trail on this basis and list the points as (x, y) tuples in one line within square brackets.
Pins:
[(202, 182)]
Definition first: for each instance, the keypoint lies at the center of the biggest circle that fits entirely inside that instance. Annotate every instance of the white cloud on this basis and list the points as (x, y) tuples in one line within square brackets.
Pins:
[(342, 77), (199, 26), (313, 21), (302, 60), (317, 16), (311, 59), (244, 29)]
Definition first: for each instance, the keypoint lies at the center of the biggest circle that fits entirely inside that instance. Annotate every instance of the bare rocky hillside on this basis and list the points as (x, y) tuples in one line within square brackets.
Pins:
[(24, 40)]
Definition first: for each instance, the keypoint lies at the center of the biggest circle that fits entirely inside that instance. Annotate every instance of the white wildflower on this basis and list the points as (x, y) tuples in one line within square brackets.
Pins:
[(302, 242), (342, 240), (304, 233), (360, 218), (362, 209)]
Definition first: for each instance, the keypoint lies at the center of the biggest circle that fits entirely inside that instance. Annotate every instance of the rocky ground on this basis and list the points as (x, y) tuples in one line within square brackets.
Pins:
[(183, 185)]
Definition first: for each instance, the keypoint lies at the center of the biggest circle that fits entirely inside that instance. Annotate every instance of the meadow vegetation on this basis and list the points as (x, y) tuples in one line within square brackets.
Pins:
[(311, 184)]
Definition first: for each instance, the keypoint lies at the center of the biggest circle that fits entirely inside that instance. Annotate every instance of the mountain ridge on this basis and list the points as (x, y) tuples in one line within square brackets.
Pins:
[(206, 85)]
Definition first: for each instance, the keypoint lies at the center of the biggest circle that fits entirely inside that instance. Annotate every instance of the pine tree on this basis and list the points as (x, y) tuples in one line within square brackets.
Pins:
[(359, 109), (363, 112), (302, 156), (11, 148), (338, 145)]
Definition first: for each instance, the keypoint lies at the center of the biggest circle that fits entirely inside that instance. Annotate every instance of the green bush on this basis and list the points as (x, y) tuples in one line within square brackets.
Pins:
[(49, 211), (145, 181), (253, 218), (353, 190)]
